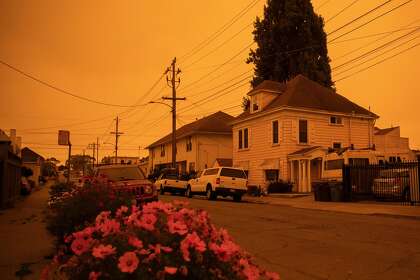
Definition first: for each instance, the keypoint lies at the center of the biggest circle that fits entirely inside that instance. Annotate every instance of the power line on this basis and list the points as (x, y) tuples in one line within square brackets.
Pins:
[(360, 17), (219, 31), (62, 90), (377, 63), (373, 58), (375, 49), (218, 47), (366, 23), (342, 11)]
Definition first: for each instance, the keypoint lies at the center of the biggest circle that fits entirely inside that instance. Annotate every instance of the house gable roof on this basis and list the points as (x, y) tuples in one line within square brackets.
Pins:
[(303, 93), (4, 137), (30, 156), (268, 85), (218, 122)]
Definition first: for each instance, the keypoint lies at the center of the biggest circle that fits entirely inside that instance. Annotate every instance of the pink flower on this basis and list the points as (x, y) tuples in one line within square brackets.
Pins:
[(177, 226), (102, 217), (123, 209), (224, 251), (79, 246), (170, 270), (102, 251), (272, 275), (135, 242), (191, 240), (249, 270), (128, 262), (109, 227), (147, 221), (85, 234), (94, 275)]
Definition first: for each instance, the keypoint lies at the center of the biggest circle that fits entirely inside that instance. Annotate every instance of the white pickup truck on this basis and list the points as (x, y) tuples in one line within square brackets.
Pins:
[(224, 181), (170, 182)]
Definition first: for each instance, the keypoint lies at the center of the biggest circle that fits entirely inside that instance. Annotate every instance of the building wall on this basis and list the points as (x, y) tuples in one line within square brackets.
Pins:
[(205, 149), (393, 145), (262, 154), (36, 169)]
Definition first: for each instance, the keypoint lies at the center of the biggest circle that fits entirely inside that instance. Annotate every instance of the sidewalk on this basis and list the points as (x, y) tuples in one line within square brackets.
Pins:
[(23, 237), (364, 208)]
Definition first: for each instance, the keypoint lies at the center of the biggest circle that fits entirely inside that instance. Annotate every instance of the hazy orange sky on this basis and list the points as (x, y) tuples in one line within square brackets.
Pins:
[(113, 51)]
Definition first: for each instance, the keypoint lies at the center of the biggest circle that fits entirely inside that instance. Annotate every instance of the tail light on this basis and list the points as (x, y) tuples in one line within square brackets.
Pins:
[(217, 180)]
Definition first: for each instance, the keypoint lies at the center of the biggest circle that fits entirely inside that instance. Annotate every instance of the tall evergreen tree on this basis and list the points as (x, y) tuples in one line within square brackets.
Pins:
[(291, 41)]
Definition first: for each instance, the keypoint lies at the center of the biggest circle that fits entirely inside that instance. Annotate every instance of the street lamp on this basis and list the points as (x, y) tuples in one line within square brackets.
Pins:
[(163, 103)]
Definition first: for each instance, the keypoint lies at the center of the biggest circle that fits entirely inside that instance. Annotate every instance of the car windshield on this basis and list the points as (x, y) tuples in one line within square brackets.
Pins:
[(234, 173), (122, 173)]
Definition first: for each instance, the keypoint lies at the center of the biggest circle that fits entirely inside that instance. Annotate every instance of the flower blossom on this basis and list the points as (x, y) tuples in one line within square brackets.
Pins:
[(170, 270), (135, 242), (109, 227), (147, 221), (80, 246), (177, 226), (128, 262), (103, 251), (94, 275), (224, 251), (123, 209), (191, 240), (250, 271)]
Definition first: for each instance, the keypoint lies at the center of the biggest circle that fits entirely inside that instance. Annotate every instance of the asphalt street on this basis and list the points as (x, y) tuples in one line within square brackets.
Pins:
[(312, 244)]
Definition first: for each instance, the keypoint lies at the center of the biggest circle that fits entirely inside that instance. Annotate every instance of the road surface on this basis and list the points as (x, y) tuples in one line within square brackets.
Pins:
[(312, 244)]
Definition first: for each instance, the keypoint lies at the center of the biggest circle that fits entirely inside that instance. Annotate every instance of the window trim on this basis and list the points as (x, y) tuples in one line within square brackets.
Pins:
[(272, 132), (162, 150), (336, 118), (307, 132), (337, 142), (241, 139)]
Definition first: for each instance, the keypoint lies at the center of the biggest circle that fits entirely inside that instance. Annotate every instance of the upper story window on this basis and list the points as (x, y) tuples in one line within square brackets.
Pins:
[(303, 131), (189, 143), (275, 128), (243, 138), (162, 150), (336, 145), (255, 104), (336, 120)]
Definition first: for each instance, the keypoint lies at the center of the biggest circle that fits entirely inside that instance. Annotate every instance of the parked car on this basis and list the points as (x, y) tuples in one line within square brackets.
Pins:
[(170, 181), (392, 183), (128, 178), (224, 181)]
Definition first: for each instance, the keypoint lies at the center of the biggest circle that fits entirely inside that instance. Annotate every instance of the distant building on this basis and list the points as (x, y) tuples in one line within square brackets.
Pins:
[(394, 148), (144, 165), (10, 172), (121, 160), (33, 161), (198, 144)]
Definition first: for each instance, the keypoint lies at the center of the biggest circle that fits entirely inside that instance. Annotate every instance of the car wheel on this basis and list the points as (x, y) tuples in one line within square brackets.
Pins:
[(162, 190), (188, 192), (209, 193), (237, 198)]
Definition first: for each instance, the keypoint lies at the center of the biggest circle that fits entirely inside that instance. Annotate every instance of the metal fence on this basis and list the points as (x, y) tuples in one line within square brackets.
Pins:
[(398, 182)]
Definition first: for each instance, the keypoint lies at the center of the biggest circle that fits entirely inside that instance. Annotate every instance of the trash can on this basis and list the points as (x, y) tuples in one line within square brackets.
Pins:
[(324, 192), (336, 192), (316, 188)]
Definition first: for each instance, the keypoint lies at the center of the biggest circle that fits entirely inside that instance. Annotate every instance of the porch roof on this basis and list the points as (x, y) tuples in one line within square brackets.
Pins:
[(313, 151)]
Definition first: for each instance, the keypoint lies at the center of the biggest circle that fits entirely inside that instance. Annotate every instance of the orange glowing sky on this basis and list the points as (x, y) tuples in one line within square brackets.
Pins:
[(113, 51)]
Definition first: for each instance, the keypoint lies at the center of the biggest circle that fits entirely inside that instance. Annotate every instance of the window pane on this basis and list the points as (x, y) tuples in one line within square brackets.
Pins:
[(230, 172), (334, 164), (246, 138), (212, 171), (303, 131), (275, 132), (240, 139)]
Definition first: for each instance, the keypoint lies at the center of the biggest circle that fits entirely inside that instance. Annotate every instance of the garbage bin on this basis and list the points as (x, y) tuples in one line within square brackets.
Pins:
[(336, 192), (324, 192), (316, 188)]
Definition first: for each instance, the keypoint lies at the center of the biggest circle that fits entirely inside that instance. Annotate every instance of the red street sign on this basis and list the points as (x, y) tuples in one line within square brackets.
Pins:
[(63, 137)]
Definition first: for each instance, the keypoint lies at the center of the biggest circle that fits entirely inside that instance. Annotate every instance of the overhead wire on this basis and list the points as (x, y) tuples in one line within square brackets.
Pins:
[(341, 11)]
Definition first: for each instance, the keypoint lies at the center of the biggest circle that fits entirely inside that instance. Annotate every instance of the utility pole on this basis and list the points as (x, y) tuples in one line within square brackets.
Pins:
[(174, 82), (97, 151), (84, 163), (117, 134), (93, 147)]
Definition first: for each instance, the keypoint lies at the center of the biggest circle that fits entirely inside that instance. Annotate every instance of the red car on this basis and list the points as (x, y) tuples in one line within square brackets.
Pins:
[(128, 178)]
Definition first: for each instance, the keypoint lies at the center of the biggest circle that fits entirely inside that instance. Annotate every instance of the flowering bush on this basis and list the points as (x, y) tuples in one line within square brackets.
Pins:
[(71, 207), (159, 241)]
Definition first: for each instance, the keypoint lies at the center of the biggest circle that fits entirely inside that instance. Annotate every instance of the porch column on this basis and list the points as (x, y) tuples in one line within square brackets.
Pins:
[(299, 181), (292, 172), (309, 189), (304, 176)]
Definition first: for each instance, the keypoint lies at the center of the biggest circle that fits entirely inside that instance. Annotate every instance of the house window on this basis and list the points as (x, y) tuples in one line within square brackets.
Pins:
[(272, 175), (191, 167), (359, 161), (336, 120), (162, 150), (189, 143), (303, 131), (275, 132), (336, 145), (243, 138), (255, 106), (334, 164)]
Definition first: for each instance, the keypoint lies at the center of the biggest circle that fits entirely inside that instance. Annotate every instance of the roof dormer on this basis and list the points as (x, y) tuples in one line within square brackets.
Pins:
[(263, 94)]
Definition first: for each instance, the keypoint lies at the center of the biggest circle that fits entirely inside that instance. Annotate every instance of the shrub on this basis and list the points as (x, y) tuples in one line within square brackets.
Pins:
[(160, 241), (71, 207), (279, 187)]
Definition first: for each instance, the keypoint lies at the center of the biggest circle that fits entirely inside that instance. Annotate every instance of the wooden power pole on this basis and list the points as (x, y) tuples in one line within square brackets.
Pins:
[(173, 82), (117, 135)]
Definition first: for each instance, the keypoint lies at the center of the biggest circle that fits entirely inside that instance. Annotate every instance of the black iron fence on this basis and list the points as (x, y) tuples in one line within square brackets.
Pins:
[(10, 176), (399, 182)]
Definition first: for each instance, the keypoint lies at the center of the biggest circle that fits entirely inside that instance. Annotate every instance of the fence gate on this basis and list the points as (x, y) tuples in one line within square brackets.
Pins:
[(397, 182)]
